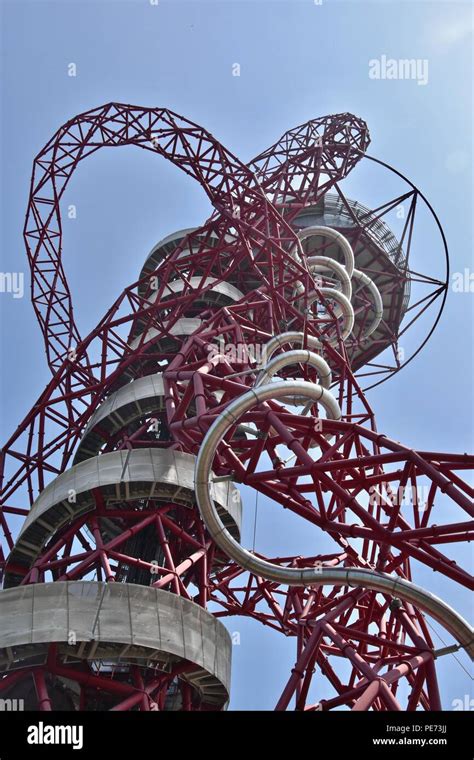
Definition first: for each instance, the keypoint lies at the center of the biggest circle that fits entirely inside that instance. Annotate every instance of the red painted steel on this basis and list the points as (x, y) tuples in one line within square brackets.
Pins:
[(375, 652)]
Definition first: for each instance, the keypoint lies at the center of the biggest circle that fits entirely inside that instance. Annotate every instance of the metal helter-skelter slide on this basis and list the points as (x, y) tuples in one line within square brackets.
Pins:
[(131, 459)]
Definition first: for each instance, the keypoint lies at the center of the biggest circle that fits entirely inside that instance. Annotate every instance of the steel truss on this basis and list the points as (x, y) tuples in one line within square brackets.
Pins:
[(192, 322)]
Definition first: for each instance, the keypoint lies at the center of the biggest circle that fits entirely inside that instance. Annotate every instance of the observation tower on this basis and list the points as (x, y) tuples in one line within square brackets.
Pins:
[(237, 364)]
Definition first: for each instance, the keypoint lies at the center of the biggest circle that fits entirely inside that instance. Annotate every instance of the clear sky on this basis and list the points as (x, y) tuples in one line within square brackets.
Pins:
[(298, 60)]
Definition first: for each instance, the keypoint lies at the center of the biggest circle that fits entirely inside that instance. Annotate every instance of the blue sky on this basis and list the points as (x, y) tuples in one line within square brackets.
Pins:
[(298, 60)]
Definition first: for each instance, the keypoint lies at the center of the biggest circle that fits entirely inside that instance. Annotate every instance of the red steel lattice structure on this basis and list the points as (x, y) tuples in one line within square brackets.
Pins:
[(130, 460)]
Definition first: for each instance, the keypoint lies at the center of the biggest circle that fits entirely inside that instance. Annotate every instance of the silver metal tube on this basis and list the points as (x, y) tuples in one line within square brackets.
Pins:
[(299, 356), (289, 337), (376, 298), (309, 576), (345, 310), (332, 234), (324, 263)]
